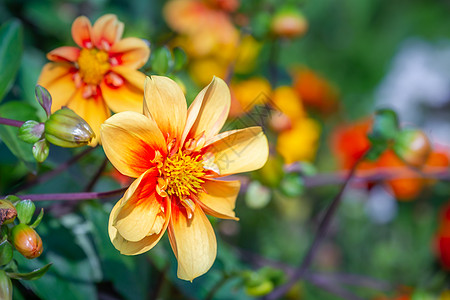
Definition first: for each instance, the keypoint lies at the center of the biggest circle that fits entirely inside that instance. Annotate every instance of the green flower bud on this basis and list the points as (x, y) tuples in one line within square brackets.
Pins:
[(6, 288), (66, 129), (7, 212), (26, 240), (31, 131), (25, 211), (413, 146), (40, 150)]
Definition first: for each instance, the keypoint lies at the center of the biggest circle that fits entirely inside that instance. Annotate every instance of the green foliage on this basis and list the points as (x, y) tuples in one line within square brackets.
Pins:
[(385, 130), (6, 252), (19, 111), (161, 61), (33, 275), (11, 48)]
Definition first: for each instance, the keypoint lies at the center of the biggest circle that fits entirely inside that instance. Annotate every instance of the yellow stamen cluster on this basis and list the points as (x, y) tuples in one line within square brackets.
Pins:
[(183, 174), (93, 64)]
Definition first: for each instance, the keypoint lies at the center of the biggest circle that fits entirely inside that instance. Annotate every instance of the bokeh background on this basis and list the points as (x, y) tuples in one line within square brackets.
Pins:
[(352, 58)]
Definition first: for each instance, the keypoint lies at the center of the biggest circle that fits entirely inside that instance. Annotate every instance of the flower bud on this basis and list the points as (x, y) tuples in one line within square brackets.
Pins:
[(66, 129), (26, 240), (413, 147), (289, 23), (6, 288), (25, 211), (7, 212)]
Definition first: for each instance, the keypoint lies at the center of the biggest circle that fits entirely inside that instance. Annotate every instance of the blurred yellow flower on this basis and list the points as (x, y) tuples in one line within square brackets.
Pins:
[(100, 75), (246, 94), (300, 142), (177, 154)]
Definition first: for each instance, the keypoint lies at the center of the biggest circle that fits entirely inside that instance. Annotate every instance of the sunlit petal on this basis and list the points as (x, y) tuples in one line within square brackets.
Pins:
[(193, 242), (64, 54), (208, 112), (106, 31), (130, 140), (81, 32), (242, 151), (128, 94), (220, 198), (165, 103), (130, 52)]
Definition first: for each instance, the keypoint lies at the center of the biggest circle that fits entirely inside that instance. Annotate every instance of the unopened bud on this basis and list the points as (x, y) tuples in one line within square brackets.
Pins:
[(7, 212), (6, 288), (26, 240), (66, 129), (25, 211), (413, 147), (289, 22)]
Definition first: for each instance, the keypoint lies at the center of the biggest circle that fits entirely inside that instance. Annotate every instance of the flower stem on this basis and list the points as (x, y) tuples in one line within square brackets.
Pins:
[(73, 196), (319, 237), (46, 176), (11, 122)]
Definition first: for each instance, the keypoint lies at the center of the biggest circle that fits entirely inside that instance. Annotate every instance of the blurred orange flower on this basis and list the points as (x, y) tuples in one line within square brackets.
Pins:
[(177, 155), (349, 142), (206, 23), (316, 92), (100, 75)]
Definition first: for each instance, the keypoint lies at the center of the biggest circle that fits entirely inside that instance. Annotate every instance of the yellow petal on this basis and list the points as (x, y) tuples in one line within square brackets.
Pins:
[(165, 103), (241, 151), (208, 112), (106, 31), (220, 198), (130, 52), (130, 140), (57, 79), (133, 248), (81, 32), (138, 214), (64, 54), (93, 110), (193, 241), (128, 96)]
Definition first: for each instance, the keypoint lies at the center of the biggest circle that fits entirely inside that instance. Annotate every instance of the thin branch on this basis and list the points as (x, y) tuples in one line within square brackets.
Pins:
[(331, 288), (319, 237), (11, 122), (378, 174), (73, 196), (62, 167), (97, 175)]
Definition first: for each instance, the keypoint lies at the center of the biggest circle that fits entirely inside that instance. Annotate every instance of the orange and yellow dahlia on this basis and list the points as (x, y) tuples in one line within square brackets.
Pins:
[(100, 75), (178, 158)]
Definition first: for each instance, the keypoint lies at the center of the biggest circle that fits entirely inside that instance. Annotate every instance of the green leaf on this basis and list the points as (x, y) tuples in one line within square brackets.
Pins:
[(31, 131), (17, 110), (33, 275), (179, 59), (38, 219), (11, 48), (6, 252), (25, 210), (161, 60)]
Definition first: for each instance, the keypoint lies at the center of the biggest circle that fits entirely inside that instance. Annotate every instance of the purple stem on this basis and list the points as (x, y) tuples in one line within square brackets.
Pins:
[(11, 122), (73, 196)]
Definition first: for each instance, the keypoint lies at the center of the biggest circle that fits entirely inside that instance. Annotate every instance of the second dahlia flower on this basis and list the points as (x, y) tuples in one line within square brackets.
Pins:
[(178, 158), (99, 76)]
